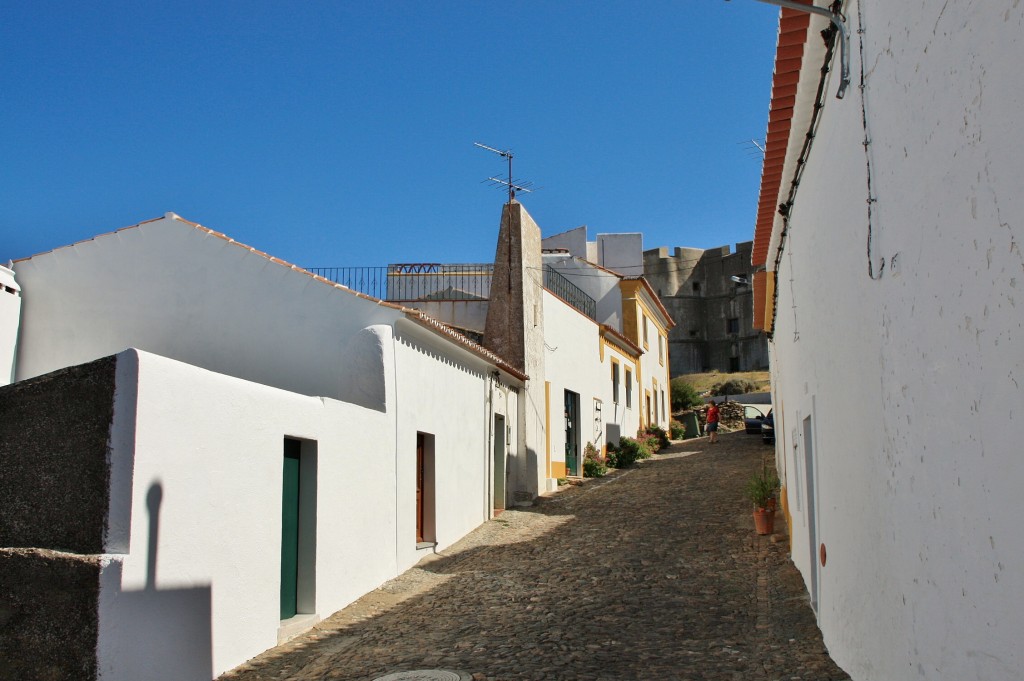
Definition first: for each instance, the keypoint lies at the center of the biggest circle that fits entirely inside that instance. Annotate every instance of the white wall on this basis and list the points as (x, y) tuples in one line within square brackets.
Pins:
[(463, 314), (603, 287), (213, 445), (175, 290), (622, 253), (654, 369), (573, 240), (10, 319), (446, 395), (912, 381), (572, 361), (626, 418)]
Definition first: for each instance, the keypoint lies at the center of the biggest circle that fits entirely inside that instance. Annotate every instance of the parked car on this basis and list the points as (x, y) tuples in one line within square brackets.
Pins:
[(768, 429), (752, 420)]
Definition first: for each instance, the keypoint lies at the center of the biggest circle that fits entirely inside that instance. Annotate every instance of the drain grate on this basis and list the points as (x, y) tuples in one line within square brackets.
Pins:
[(425, 675)]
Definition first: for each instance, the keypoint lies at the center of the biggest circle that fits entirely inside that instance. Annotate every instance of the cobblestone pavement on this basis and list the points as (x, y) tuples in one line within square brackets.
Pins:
[(653, 572)]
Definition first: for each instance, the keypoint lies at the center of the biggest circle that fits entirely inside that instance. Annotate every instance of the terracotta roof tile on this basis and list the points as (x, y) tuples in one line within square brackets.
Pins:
[(789, 52)]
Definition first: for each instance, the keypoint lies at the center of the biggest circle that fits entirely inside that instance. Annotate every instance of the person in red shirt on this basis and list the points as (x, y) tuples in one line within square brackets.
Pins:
[(712, 423)]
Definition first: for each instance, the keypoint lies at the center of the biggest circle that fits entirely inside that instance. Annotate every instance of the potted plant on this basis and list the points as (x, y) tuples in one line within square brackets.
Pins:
[(761, 490)]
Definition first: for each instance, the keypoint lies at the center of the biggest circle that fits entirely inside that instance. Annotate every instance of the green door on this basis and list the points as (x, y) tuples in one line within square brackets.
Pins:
[(572, 430), (290, 529)]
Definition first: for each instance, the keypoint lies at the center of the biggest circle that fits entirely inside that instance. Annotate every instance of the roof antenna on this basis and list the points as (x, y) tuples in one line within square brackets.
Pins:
[(512, 184)]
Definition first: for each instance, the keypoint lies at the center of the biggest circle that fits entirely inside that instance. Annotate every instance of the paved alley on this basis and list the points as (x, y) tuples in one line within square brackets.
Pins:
[(652, 573)]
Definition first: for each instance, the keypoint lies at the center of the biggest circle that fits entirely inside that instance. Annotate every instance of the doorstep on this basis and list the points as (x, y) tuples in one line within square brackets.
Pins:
[(293, 626)]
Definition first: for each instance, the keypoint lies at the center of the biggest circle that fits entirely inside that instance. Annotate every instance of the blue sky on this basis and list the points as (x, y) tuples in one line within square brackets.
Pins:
[(341, 133)]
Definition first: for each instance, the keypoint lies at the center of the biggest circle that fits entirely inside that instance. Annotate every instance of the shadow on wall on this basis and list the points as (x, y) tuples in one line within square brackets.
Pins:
[(362, 374), (154, 634)]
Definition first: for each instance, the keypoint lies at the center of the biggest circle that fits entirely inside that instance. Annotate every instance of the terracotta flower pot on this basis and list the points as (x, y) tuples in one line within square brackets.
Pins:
[(764, 520)]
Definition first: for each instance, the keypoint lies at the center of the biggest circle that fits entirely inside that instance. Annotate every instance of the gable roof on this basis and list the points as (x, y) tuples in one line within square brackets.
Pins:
[(438, 327)]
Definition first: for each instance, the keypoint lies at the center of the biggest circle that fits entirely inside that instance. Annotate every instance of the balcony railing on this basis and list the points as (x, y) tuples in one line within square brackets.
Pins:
[(408, 282), (418, 282), (569, 292)]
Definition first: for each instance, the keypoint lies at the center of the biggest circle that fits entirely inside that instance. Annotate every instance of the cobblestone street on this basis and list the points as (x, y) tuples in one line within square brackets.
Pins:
[(652, 573)]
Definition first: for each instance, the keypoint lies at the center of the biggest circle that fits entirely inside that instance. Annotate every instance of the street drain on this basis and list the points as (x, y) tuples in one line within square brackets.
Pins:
[(425, 675)]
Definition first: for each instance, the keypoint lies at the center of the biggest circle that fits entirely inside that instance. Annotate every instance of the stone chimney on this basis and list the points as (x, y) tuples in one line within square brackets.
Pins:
[(515, 331), (515, 321)]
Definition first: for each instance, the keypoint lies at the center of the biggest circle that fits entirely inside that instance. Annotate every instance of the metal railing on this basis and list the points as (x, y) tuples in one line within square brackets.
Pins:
[(418, 282), (569, 292), (407, 282)]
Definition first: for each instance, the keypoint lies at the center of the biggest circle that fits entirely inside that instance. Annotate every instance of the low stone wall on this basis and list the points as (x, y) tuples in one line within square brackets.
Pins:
[(48, 615), (54, 468)]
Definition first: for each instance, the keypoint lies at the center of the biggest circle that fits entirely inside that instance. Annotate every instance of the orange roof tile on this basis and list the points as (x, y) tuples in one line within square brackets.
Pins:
[(789, 53)]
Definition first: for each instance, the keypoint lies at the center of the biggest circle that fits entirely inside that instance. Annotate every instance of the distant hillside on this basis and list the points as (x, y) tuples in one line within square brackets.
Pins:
[(706, 381)]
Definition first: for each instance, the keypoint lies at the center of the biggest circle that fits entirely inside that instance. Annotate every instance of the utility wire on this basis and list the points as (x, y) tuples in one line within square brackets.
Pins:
[(867, 152)]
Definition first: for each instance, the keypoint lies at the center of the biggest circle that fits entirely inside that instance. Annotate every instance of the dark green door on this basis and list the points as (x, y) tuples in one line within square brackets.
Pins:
[(290, 529), (572, 430)]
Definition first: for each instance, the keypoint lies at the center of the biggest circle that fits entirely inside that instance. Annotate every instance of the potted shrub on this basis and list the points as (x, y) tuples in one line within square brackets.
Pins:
[(761, 490)]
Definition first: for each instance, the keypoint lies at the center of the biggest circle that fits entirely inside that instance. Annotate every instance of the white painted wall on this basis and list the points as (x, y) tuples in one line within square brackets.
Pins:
[(626, 418), (447, 394), (573, 240), (463, 314), (10, 319), (912, 381), (621, 252), (178, 291), (214, 446), (572, 361), (654, 369), (602, 286)]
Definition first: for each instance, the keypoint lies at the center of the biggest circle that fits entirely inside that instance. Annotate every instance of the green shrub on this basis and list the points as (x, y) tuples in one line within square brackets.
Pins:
[(649, 440), (592, 468), (662, 436), (734, 386), (761, 488), (593, 463), (684, 395), (677, 429), (629, 451)]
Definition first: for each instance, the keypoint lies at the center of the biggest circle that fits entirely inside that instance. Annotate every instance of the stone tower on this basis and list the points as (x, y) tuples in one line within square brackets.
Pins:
[(515, 331)]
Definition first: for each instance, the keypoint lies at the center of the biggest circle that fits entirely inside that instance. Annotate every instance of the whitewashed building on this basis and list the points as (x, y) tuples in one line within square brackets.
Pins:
[(593, 341), (268, 447), (890, 229)]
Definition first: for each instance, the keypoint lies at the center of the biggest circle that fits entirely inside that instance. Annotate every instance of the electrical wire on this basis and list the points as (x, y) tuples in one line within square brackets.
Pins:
[(867, 152), (786, 209)]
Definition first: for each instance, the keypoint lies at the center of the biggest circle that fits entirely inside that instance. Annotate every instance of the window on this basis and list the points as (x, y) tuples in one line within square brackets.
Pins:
[(661, 350), (732, 325), (629, 389), (663, 404), (644, 318), (655, 385), (696, 287), (615, 382)]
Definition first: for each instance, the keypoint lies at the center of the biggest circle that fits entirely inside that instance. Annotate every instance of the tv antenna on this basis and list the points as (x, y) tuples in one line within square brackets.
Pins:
[(754, 148), (512, 184)]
